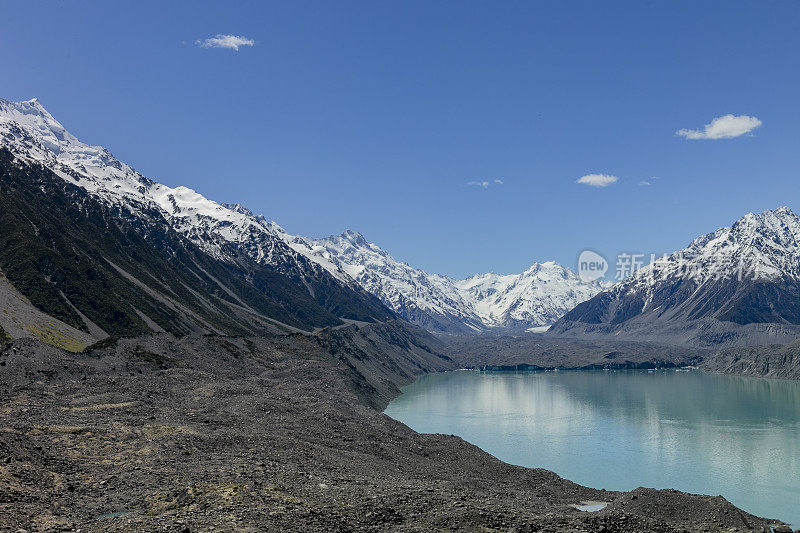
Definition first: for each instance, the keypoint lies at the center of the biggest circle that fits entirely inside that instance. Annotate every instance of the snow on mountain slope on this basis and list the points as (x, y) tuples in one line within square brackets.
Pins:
[(31, 133), (747, 274), (429, 300), (537, 297), (534, 298), (757, 247), (765, 245)]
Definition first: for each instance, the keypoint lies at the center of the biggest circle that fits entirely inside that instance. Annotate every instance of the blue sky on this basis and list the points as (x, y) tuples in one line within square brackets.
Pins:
[(376, 116)]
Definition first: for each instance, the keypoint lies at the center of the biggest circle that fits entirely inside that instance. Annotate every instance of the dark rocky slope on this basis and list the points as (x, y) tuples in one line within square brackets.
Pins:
[(71, 255), (771, 361)]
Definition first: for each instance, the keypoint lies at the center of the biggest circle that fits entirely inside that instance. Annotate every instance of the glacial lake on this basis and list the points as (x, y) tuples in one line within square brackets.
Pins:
[(683, 429)]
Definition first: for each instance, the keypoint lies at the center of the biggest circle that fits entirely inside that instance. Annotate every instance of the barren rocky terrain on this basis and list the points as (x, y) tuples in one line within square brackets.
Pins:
[(773, 361), (212, 433), (526, 351)]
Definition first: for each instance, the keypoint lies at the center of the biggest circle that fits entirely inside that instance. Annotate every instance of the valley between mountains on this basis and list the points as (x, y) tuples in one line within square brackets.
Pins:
[(170, 363), (331, 271)]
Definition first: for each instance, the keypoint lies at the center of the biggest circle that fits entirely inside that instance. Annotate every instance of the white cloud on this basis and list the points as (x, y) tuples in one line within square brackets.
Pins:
[(598, 180), (724, 127), (484, 184), (645, 183), (225, 41)]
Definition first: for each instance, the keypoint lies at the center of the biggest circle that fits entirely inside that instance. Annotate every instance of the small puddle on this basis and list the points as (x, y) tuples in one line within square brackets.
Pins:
[(590, 507), (113, 515)]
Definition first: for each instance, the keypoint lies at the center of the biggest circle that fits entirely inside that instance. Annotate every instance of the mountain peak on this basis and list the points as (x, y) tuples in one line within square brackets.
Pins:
[(780, 212), (762, 245), (783, 213), (38, 127), (33, 102), (354, 237), (745, 274), (782, 218), (26, 107)]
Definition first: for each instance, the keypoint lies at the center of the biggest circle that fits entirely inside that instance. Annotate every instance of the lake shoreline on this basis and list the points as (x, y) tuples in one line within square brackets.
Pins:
[(498, 373), (280, 433)]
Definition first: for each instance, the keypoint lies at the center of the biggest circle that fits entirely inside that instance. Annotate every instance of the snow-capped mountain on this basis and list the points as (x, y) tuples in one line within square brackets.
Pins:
[(31, 133), (747, 274), (534, 298), (231, 233), (429, 300), (530, 300)]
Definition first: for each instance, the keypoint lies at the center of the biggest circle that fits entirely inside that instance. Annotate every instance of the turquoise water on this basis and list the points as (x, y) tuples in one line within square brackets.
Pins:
[(688, 430)]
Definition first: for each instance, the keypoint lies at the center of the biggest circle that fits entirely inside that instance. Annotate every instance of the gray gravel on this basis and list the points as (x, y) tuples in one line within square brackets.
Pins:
[(232, 434)]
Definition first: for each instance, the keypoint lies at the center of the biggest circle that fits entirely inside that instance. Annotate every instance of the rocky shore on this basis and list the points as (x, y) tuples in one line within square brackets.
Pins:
[(780, 361), (212, 433)]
